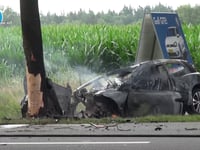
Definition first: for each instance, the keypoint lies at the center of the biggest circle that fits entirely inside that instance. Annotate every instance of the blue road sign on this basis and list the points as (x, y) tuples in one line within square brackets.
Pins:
[(162, 37), (170, 35), (1, 16)]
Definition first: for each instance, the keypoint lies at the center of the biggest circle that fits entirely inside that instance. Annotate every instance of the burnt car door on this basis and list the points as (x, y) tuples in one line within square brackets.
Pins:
[(152, 93), (177, 71)]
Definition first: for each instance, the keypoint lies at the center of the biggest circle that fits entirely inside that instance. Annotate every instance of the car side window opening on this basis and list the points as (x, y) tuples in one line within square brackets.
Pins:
[(176, 69)]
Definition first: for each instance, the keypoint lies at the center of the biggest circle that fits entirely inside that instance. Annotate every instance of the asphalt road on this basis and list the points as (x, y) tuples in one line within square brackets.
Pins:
[(99, 143), (128, 136)]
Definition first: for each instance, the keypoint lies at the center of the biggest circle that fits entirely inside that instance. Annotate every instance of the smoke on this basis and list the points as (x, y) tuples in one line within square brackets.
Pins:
[(60, 71), (84, 74)]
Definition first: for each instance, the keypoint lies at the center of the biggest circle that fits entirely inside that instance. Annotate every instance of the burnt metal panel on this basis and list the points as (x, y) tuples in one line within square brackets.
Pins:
[(144, 102), (63, 95)]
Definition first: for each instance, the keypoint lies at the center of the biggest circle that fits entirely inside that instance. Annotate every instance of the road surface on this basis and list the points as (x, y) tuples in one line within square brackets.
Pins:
[(99, 143), (152, 136)]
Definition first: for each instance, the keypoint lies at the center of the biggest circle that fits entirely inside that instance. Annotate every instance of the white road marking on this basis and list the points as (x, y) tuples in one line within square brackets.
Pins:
[(12, 126), (73, 143)]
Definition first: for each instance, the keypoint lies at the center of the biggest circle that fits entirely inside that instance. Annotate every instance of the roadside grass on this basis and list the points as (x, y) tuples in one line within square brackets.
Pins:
[(118, 120), (11, 94), (169, 118)]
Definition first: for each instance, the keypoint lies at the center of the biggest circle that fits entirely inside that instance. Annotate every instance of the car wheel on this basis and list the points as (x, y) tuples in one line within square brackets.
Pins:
[(195, 101)]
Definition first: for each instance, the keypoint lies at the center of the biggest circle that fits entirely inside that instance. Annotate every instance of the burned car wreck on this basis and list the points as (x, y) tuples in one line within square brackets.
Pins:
[(165, 86)]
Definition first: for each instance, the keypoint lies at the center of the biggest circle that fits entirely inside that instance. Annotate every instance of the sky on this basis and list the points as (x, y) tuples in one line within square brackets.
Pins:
[(65, 6)]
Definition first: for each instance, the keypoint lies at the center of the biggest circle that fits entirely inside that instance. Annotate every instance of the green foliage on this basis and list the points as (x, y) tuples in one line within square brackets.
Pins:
[(168, 118), (11, 67), (193, 37), (10, 17), (99, 47), (188, 14), (9, 107), (11, 52), (103, 121), (127, 15), (11, 94)]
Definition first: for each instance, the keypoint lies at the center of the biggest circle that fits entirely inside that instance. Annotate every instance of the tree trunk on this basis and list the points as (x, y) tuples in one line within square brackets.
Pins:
[(32, 44)]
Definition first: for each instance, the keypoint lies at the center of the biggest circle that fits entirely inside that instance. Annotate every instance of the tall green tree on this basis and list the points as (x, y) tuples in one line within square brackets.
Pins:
[(188, 14), (185, 13), (126, 15), (10, 17), (162, 8)]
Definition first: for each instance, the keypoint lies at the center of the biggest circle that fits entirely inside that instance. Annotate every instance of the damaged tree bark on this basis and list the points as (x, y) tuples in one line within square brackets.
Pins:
[(32, 44)]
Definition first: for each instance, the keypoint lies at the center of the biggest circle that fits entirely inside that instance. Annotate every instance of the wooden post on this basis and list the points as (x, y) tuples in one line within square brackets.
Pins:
[(32, 44)]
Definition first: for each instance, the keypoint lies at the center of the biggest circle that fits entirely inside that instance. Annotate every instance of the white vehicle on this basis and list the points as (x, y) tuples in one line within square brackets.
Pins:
[(174, 43)]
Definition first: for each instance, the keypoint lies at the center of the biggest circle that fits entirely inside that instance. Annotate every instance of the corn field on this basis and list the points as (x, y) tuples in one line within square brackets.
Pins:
[(96, 47)]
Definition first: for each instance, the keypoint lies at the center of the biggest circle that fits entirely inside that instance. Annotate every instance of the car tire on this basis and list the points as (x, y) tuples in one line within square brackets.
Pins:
[(195, 107)]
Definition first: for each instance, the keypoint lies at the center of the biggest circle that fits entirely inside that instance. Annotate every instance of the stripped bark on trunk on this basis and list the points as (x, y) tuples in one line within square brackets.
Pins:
[(32, 44)]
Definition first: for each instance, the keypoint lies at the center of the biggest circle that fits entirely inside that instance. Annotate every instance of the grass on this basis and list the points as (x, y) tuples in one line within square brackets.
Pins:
[(146, 119), (98, 47), (11, 94), (169, 118)]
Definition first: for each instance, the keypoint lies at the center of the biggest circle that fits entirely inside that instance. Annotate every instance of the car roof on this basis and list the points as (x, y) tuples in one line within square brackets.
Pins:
[(149, 63), (165, 61), (158, 61)]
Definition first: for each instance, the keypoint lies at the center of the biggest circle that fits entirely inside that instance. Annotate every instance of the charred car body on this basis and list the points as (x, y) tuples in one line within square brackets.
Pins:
[(166, 86)]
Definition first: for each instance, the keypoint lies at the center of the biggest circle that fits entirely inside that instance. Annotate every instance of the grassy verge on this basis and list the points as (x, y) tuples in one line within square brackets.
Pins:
[(11, 94), (146, 119)]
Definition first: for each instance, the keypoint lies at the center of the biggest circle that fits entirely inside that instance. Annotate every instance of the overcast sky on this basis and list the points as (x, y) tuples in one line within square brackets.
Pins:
[(58, 6)]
